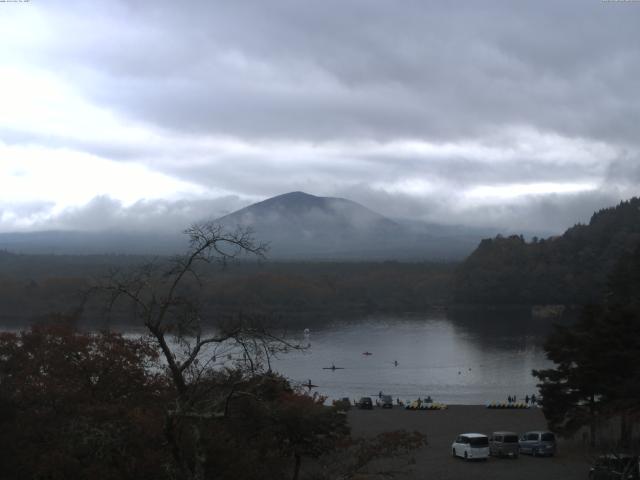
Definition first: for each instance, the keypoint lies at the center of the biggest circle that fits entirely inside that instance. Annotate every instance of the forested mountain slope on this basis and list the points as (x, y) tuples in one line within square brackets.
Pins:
[(569, 269)]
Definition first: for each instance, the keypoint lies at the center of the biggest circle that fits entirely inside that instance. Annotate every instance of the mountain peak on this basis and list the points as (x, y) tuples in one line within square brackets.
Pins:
[(304, 222), (295, 195), (292, 200), (296, 205)]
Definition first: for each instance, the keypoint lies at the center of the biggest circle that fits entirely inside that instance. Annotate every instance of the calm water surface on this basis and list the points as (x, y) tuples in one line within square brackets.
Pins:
[(457, 361)]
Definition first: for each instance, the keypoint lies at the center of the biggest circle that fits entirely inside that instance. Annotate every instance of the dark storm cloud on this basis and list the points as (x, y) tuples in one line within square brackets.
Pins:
[(270, 178), (326, 70), (624, 171), (259, 98)]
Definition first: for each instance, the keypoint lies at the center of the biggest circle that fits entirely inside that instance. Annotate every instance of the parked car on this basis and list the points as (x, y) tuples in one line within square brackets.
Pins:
[(538, 442), (504, 444), (386, 401), (343, 404), (471, 446), (365, 403), (616, 466)]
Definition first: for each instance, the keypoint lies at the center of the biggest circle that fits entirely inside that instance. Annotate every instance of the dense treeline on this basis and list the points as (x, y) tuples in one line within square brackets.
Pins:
[(334, 288), (570, 269), (596, 376), (33, 285)]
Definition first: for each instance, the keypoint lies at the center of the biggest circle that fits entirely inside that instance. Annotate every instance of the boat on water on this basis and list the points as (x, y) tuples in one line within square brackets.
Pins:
[(333, 367)]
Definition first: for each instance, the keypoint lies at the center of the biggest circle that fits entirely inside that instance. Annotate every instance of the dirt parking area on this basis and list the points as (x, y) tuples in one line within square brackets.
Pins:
[(434, 461)]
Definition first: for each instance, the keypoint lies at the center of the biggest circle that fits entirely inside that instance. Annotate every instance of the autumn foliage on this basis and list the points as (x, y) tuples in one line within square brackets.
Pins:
[(77, 405)]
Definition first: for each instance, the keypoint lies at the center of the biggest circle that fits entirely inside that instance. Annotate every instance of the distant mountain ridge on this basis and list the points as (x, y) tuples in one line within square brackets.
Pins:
[(302, 210), (302, 226), (569, 269), (301, 203), (297, 226)]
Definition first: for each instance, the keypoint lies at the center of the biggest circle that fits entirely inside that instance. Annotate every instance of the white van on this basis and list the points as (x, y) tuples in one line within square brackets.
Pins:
[(471, 446)]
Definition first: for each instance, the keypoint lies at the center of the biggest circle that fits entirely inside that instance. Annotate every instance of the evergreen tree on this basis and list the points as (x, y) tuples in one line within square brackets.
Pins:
[(572, 392), (597, 372)]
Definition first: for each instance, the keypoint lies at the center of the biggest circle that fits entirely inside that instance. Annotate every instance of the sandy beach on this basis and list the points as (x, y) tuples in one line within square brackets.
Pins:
[(434, 461)]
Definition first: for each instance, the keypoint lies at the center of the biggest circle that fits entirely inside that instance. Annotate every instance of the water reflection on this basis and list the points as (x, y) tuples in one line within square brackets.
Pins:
[(454, 358)]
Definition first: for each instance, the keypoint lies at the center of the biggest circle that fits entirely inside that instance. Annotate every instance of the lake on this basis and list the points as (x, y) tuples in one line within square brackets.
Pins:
[(466, 359), (457, 358)]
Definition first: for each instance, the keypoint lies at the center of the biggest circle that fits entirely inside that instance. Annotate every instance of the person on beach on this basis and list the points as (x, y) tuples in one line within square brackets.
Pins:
[(526, 399)]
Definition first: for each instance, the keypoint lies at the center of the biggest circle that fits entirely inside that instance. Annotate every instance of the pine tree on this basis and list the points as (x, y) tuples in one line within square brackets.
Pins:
[(597, 373)]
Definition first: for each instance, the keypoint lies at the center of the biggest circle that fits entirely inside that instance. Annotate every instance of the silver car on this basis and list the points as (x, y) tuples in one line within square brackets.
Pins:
[(504, 444)]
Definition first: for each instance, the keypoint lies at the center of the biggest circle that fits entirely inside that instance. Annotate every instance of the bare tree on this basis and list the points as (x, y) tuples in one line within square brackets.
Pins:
[(164, 297)]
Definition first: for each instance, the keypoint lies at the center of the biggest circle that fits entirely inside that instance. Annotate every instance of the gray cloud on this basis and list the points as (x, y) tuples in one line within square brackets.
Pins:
[(361, 70), (276, 75), (543, 215), (624, 172), (536, 214), (105, 213)]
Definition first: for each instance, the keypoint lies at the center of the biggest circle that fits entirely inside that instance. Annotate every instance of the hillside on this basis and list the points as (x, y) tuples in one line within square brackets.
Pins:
[(569, 269), (298, 225)]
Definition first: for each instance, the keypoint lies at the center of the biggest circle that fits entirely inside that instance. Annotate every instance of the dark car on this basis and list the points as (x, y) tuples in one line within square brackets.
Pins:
[(343, 404), (504, 444), (616, 467), (365, 403), (538, 442), (386, 401)]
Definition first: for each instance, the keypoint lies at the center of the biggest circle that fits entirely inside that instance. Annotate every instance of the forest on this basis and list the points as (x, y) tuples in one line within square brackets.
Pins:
[(596, 378), (32, 286), (571, 269)]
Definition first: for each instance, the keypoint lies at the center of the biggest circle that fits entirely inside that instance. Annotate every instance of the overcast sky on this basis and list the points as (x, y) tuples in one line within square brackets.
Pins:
[(146, 114)]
